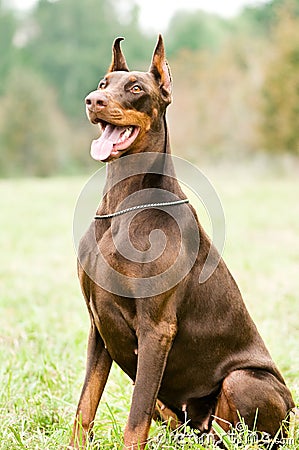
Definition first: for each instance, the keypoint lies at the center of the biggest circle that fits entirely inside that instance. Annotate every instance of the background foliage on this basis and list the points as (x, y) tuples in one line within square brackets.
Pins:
[(235, 79)]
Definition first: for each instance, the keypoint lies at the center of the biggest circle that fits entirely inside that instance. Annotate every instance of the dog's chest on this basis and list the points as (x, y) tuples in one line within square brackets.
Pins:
[(135, 244)]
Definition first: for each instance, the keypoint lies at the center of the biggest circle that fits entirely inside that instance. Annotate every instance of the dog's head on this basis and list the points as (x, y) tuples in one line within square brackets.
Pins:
[(127, 105)]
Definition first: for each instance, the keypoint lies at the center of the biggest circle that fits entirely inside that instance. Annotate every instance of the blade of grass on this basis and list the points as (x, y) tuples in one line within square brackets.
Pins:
[(222, 435)]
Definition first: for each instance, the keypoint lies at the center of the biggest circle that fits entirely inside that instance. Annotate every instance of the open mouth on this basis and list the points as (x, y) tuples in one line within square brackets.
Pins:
[(113, 140)]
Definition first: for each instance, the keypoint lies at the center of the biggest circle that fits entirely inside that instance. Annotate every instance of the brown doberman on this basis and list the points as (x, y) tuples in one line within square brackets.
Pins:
[(191, 348)]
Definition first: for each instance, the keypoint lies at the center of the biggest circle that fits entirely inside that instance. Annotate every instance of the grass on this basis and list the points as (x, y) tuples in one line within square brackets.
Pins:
[(44, 323)]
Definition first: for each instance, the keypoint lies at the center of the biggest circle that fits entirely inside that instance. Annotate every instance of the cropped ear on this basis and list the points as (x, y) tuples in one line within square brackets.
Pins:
[(118, 62), (161, 71)]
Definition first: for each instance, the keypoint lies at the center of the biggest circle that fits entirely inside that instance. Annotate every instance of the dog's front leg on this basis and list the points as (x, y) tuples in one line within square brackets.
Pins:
[(153, 349), (97, 371)]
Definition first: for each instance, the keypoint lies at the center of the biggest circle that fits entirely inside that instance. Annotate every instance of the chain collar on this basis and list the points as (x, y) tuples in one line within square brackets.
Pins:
[(134, 208)]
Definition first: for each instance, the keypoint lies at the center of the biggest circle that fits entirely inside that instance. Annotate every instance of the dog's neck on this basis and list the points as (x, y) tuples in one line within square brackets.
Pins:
[(152, 177)]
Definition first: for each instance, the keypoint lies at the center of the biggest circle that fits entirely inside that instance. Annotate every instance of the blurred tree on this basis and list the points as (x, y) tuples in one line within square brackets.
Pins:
[(218, 95), (259, 20), (8, 26), (280, 91), (255, 20), (195, 31), (33, 130)]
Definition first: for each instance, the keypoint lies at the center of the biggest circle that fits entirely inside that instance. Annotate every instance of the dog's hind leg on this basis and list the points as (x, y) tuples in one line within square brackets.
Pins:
[(98, 367), (256, 396)]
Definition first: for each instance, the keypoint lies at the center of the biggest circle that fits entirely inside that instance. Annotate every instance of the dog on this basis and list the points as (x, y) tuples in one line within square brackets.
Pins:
[(191, 349)]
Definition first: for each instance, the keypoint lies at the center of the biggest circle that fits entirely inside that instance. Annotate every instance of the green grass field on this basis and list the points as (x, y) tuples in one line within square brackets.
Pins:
[(44, 323)]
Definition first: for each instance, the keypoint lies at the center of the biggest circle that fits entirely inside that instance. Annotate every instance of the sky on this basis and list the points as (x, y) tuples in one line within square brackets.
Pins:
[(155, 14)]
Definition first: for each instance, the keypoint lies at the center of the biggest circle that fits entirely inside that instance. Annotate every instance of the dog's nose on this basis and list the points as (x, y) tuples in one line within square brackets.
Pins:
[(95, 101)]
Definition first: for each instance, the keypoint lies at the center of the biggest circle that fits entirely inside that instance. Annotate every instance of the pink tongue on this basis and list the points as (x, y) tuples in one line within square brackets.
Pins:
[(101, 148)]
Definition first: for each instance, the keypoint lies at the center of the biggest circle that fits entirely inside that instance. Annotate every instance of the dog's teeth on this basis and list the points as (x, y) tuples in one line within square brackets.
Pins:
[(126, 134)]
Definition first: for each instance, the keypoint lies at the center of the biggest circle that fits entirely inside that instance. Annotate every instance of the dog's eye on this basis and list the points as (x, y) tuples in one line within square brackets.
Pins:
[(136, 89), (102, 84)]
